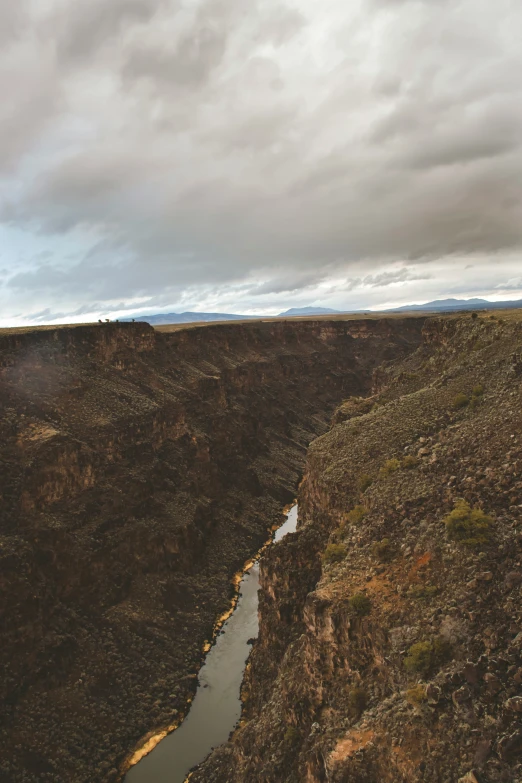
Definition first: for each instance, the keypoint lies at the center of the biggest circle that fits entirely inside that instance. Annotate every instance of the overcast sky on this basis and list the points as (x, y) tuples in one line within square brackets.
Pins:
[(253, 155)]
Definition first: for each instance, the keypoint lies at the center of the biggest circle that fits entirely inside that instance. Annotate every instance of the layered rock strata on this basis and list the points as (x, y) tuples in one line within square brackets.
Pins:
[(139, 470)]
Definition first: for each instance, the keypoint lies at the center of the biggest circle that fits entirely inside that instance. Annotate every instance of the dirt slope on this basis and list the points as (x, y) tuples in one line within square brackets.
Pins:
[(391, 624)]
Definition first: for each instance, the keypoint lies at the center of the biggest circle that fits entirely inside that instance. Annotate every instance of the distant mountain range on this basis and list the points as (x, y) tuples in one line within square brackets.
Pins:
[(437, 306), (163, 319), (189, 318), (447, 305), (296, 311)]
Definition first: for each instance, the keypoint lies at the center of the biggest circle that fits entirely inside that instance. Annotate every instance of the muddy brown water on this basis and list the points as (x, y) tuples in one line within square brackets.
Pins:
[(216, 708)]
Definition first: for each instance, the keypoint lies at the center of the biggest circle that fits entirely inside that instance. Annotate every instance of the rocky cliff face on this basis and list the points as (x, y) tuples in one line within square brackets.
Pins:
[(139, 470), (391, 623)]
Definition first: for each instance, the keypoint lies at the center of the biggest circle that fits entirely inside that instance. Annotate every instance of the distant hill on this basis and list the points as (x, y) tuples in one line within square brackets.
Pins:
[(162, 319), (447, 305), (187, 318), (309, 311), (437, 306)]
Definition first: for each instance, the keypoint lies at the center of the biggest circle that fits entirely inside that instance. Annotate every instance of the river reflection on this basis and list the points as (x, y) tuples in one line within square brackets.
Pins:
[(216, 708)]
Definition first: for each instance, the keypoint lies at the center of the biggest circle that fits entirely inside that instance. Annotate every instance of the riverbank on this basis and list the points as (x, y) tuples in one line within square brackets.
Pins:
[(216, 709)]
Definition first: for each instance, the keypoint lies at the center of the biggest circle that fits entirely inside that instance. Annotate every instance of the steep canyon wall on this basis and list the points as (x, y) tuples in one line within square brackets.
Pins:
[(139, 470), (390, 646)]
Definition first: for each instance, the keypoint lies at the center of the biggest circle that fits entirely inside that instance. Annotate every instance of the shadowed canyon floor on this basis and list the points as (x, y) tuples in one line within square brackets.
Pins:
[(139, 471)]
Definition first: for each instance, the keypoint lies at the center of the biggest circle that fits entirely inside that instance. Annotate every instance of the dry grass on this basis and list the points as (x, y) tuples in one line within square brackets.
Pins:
[(505, 315), (199, 324), (49, 328), (342, 317)]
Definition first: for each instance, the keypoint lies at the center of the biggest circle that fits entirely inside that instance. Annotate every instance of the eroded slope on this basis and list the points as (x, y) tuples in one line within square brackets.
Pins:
[(391, 635), (139, 471)]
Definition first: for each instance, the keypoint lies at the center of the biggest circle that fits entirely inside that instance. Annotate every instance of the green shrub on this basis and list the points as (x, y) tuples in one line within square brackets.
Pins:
[(476, 395), (419, 658), (292, 736), (357, 700), (423, 591), (338, 534), (382, 550), (334, 553), (356, 515), (361, 604), (460, 401), (474, 315), (365, 481), (468, 526), (390, 466), (416, 696), (410, 462), (479, 344), (425, 656)]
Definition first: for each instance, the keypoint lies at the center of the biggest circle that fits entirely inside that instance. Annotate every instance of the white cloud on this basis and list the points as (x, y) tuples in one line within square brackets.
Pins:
[(246, 156)]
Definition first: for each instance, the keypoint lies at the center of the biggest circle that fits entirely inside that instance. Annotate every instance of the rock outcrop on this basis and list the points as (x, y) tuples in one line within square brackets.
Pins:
[(390, 647), (139, 471)]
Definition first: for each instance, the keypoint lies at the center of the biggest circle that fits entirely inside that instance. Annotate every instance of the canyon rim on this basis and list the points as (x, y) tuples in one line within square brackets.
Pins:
[(140, 470)]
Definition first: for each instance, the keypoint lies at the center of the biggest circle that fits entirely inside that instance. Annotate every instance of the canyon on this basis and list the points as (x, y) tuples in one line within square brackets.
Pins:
[(390, 644), (140, 470)]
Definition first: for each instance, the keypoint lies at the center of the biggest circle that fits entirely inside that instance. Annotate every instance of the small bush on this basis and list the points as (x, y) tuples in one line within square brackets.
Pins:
[(410, 462), (423, 591), (460, 401), (292, 736), (356, 515), (416, 696), (390, 466), (419, 658), (357, 700), (474, 315), (469, 526), (334, 553), (476, 395), (365, 481), (361, 604), (423, 657), (382, 550), (479, 344)]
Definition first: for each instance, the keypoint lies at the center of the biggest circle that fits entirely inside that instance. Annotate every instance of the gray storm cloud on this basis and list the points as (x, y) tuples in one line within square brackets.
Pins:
[(178, 145)]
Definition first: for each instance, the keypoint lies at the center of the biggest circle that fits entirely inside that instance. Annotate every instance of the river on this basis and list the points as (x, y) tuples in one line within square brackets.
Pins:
[(216, 708)]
